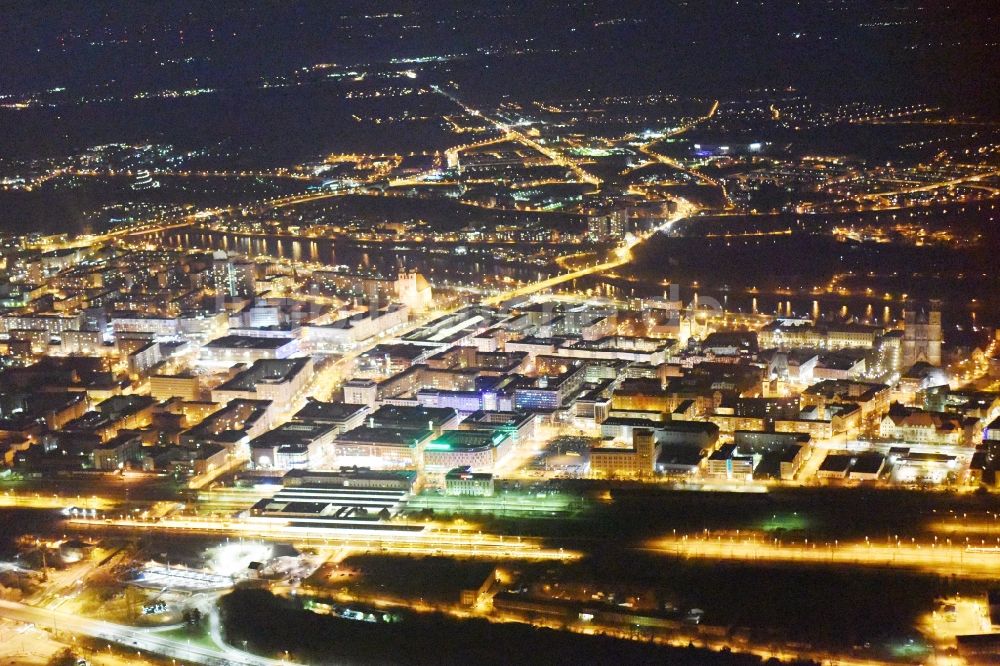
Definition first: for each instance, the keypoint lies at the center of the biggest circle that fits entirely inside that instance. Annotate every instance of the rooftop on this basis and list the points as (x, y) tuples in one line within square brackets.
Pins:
[(386, 436), (408, 417), (316, 410), (265, 371), (247, 342)]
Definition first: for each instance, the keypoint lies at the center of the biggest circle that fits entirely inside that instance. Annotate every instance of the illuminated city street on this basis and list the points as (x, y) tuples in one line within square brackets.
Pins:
[(500, 333), (942, 557), (128, 637)]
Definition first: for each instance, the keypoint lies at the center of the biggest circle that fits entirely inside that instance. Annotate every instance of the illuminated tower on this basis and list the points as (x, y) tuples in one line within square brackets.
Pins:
[(232, 278), (644, 444), (144, 181), (922, 335), (413, 290)]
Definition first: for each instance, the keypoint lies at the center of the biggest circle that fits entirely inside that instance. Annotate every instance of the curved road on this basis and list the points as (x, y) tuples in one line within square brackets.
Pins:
[(130, 637)]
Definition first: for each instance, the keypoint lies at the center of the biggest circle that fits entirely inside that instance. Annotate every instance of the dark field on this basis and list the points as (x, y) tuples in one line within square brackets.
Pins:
[(819, 514)]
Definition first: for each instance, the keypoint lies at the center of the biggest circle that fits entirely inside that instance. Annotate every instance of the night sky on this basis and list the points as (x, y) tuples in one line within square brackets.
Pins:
[(909, 49)]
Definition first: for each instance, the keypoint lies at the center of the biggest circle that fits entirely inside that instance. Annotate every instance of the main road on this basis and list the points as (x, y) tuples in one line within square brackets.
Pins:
[(407, 538)]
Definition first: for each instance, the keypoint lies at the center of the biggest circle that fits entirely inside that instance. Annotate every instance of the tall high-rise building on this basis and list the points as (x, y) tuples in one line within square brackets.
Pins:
[(611, 225), (922, 335), (232, 278)]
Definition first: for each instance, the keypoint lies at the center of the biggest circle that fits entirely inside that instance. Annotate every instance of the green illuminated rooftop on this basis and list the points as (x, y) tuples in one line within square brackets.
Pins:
[(452, 440)]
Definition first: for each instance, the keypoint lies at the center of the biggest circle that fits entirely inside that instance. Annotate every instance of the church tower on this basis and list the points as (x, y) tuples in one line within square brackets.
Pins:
[(922, 334)]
